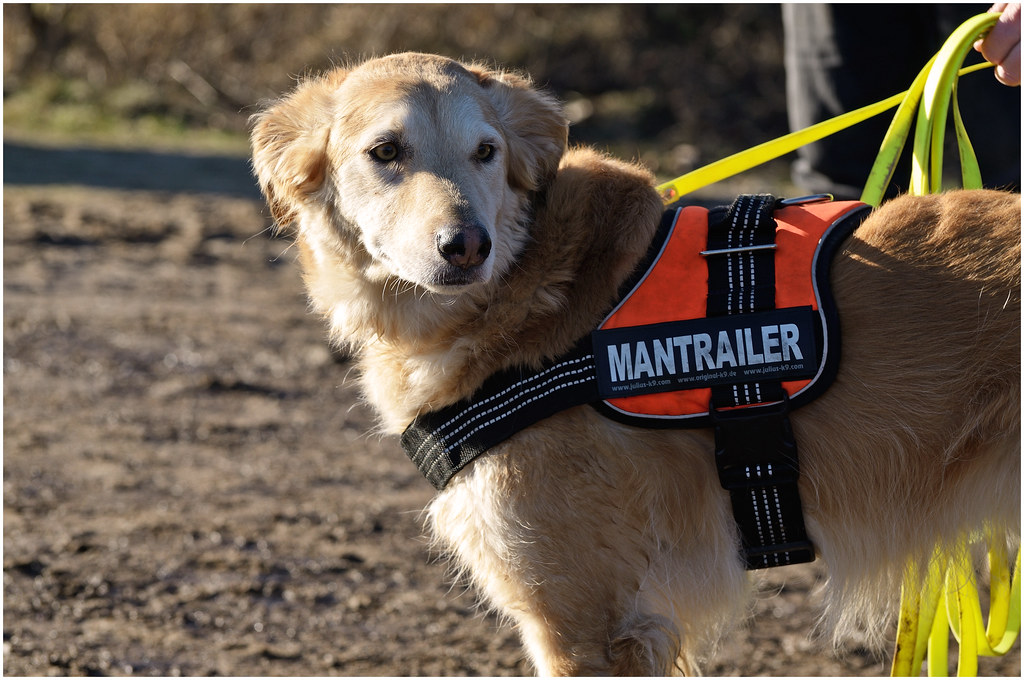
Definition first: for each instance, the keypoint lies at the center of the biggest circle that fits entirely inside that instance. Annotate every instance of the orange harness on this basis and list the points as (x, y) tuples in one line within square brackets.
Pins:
[(667, 372)]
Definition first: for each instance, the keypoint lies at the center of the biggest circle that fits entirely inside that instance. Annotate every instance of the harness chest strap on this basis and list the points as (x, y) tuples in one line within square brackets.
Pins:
[(755, 449)]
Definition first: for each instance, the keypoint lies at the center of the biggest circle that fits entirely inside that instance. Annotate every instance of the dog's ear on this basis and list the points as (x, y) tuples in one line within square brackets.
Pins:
[(535, 125), (289, 144)]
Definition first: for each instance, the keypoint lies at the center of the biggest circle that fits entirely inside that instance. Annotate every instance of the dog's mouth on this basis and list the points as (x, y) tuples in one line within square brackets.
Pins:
[(450, 279)]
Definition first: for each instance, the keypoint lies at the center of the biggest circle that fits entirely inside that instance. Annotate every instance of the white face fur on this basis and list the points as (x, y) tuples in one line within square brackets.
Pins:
[(419, 172)]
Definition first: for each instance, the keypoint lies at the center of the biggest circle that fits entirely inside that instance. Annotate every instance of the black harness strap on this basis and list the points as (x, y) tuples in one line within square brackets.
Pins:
[(755, 450), (442, 442)]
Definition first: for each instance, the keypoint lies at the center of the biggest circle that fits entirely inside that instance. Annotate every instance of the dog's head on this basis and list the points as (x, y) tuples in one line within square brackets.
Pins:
[(410, 166)]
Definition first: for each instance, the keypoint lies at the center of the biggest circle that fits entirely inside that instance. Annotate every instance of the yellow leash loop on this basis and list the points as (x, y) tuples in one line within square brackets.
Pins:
[(931, 94), (947, 601)]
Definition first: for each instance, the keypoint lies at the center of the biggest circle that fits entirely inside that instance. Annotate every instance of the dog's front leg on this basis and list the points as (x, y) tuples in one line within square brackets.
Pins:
[(610, 561), (576, 611)]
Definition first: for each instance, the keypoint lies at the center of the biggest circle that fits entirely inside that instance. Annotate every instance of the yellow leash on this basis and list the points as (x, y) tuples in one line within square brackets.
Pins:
[(945, 599), (762, 153)]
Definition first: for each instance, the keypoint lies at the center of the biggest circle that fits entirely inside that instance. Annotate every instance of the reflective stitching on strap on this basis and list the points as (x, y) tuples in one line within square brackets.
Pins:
[(442, 438), (749, 255), (767, 513), (464, 416), (729, 259), (757, 513), (741, 275), (442, 442)]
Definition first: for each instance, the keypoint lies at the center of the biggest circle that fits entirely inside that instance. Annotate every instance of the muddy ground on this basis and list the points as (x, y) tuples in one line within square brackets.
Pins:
[(188, 486)]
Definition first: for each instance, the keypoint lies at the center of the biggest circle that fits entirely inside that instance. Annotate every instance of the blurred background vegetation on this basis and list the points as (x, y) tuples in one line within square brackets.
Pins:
[(677, 86)]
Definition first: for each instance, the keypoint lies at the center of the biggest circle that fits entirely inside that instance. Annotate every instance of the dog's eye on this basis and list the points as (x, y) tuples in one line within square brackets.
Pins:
[(484, 152), (385, 152)]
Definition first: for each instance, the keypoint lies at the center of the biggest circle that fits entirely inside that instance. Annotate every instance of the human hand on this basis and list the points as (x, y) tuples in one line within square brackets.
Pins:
[(1002, 44)]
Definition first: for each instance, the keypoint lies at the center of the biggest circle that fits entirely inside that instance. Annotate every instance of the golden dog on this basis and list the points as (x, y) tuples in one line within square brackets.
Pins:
[(446, 233)]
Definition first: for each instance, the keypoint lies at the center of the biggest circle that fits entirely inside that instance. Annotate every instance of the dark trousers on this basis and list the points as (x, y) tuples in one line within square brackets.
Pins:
[(842, 57)]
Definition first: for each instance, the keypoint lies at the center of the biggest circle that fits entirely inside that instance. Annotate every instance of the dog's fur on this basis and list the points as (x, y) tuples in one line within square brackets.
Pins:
[(446, 233)]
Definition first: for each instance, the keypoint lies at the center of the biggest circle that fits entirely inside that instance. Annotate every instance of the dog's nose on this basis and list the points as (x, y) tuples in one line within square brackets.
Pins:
[(464, 246)]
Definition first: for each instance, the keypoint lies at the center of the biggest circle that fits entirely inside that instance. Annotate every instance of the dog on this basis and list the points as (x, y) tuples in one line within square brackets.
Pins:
[(446, 233)]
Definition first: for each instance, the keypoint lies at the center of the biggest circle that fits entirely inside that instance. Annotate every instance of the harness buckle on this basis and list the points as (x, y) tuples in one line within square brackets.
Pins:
[(738, 249), (755, 445), (804, 200)]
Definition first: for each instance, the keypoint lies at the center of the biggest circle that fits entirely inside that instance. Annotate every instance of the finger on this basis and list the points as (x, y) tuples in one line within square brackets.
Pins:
[(1008, 72), (994, 9), (1001, 40)]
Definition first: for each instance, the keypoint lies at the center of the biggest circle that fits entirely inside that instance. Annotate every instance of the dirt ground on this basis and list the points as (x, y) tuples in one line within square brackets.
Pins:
[(188, 486)]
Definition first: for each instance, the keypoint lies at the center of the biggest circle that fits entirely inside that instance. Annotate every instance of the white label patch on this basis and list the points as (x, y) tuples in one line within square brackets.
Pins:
[(679, 355)]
